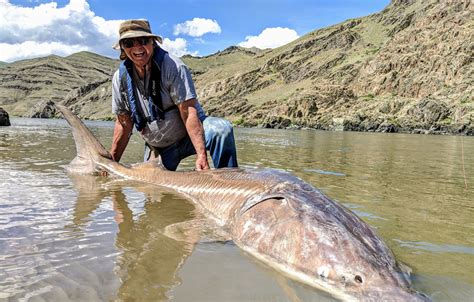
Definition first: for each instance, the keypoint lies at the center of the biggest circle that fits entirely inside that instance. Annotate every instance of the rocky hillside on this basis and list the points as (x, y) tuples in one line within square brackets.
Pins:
[(408, 68), (81, 81)]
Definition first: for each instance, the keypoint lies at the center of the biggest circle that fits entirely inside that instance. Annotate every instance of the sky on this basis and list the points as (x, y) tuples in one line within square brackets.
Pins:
[(36, 28)]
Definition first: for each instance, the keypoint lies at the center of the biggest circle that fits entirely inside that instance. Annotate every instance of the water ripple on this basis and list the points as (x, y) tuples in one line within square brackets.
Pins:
[(435, 248), (325, 172)]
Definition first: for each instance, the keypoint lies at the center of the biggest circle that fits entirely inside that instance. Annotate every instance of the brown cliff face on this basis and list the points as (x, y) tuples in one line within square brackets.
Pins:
[(429, 62), (407, 68)]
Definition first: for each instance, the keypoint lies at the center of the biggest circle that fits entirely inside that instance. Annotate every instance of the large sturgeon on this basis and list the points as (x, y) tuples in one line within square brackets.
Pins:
[(277, 218)]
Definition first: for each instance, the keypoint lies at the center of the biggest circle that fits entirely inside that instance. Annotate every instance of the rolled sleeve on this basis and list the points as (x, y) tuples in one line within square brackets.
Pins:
[(119, 101), (182, 85)]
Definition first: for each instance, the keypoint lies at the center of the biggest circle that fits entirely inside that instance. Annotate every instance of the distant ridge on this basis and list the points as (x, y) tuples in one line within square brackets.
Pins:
[(81, 80), (408, 68)]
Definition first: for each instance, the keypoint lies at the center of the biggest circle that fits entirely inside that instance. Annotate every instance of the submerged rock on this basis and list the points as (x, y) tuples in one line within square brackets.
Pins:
[(4, 118)]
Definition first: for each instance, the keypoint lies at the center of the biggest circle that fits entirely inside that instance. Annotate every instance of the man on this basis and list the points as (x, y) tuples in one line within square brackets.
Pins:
[(153, 91)]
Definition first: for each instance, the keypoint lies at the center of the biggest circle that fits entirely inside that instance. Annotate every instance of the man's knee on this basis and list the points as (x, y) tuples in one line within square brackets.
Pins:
[(217, 128)]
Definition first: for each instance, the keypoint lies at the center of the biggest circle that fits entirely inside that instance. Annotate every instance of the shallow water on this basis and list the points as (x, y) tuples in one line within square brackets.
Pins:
[(92, 239)]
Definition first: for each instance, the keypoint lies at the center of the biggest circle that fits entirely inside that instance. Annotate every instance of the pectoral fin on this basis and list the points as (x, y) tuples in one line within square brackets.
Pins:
[(196, 230)]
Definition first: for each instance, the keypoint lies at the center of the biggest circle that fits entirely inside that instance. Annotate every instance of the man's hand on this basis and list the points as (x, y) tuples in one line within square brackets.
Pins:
[(201, 163), (103, 173)]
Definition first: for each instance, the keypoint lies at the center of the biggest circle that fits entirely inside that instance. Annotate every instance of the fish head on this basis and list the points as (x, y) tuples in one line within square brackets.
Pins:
[(318, 242), (362, 279)]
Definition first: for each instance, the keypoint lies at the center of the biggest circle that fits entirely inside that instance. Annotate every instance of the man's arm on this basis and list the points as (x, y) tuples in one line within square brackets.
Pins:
[(122, 131), (195, 130)]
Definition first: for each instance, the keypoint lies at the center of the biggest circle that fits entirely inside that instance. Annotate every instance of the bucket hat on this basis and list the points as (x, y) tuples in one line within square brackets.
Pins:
[(133, 29)]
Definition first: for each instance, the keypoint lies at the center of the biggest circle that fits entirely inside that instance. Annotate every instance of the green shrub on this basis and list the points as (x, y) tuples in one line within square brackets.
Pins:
[(238, 121)]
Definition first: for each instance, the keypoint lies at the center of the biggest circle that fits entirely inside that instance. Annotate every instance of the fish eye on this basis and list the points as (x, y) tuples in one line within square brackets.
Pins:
[(358, 279)]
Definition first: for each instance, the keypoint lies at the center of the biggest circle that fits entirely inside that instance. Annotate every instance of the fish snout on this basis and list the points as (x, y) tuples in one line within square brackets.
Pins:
[(394, 294)]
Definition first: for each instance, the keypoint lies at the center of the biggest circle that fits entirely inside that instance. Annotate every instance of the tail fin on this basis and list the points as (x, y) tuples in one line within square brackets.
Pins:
[(87, 146)]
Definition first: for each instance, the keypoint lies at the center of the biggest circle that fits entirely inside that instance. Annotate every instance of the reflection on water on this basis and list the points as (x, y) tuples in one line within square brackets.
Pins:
[(94, 239), (139, 238)]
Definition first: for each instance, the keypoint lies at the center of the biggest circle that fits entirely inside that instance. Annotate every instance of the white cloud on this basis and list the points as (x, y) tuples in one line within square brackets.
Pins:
[(178, 47), (31, 49), (197, 27), (270, 38), (27, 32)]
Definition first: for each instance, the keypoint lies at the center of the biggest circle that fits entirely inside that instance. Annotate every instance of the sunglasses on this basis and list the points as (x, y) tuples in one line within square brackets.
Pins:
[(130, 42)]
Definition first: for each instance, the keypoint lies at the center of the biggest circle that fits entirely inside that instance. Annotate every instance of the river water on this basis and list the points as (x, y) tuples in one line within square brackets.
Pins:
[(88, 238)]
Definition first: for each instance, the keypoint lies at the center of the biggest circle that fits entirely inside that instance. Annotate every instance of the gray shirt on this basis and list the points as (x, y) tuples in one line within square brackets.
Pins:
[(176, 87)]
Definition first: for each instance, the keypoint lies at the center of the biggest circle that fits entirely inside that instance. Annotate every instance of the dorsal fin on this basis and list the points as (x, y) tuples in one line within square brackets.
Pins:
[(152, 163)]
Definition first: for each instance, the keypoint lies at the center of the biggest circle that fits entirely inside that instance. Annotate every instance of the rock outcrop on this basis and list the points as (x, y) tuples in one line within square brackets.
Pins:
[(4, 118), (44, 109)]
